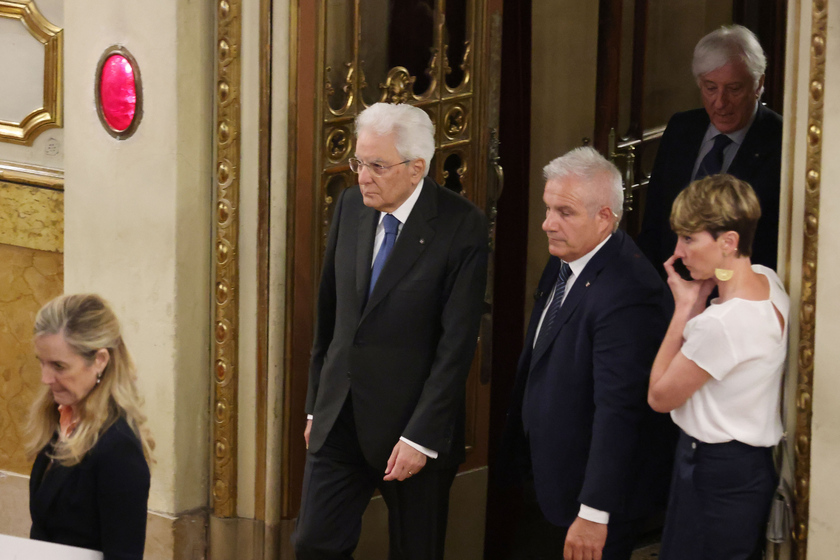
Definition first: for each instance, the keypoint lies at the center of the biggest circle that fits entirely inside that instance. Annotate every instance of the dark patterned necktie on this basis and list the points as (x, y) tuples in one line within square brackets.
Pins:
[(712, 163), (544, 336), (391, 225)]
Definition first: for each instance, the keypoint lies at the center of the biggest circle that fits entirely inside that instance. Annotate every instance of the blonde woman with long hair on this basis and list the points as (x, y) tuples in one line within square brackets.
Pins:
[(90, 480)]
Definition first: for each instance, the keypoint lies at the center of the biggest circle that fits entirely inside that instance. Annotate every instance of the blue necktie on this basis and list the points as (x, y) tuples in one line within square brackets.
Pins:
[(544, 336), (391, 225), (712, 163)]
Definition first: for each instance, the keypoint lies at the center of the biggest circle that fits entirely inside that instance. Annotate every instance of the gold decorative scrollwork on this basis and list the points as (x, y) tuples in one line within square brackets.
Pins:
[(351, 32), (466, 65), (807, 313), (347, 88), (51, 114), (226, 226), (432, 73), (398, 86)]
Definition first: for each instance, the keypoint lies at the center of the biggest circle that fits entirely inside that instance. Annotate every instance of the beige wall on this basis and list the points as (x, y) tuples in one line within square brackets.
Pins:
[(564, 51), (137, 215)]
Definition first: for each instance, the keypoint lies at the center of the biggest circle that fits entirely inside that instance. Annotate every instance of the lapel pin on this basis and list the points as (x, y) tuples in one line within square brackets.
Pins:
[(422, 241), (587, 284)]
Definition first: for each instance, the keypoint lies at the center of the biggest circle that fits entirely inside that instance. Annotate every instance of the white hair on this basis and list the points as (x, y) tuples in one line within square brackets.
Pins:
[(733, 42), (601, 176), (414, 133)]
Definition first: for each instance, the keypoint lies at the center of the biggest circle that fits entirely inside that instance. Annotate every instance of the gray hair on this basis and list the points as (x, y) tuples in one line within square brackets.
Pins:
[(414, 133), (733, 42), (602, 177)]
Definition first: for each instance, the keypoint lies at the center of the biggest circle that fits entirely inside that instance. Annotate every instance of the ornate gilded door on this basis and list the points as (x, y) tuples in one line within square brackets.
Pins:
[(439, 55)]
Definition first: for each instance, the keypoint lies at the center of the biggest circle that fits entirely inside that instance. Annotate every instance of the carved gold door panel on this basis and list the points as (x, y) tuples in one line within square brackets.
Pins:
[(439, 55), (419, 52)]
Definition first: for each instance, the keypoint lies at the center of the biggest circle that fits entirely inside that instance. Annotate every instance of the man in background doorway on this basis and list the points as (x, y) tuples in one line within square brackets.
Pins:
[(399, 305), (593, 457), (733, 133)]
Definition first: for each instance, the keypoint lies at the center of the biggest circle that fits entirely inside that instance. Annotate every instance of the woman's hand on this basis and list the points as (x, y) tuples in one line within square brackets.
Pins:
[(688, 294)]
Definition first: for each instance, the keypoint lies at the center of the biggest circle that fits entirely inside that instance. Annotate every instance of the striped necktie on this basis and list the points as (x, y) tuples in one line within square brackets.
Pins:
[(546, 330)]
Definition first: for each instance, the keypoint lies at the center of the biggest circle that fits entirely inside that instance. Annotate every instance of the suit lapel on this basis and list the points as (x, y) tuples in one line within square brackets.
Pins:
[(580, 287), (754, 147), (694, 140), (416, 236), (368, 222)]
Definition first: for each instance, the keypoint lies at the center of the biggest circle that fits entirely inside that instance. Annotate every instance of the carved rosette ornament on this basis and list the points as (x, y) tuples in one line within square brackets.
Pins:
[(226, 292), (398, 86), (808, 298)]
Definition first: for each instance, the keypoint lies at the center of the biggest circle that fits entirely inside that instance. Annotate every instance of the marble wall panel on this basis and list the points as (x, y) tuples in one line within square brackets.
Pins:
[(28, 279), (31, 217)]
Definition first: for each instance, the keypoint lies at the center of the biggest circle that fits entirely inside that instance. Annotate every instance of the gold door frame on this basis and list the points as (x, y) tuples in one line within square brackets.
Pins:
[(808, 296)]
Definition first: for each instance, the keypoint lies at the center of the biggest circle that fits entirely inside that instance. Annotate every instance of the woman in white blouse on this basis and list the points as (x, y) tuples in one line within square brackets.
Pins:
[(718, 372)]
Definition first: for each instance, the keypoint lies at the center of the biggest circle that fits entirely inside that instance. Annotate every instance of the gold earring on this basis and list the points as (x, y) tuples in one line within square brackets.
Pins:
[(724, 274)]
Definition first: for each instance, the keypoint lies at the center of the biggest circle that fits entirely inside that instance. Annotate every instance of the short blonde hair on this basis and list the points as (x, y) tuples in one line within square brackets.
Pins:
[(87, 324), (717, 204)]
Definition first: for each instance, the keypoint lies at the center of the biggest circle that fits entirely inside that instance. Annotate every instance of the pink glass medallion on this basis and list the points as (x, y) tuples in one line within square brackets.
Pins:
[(118, 92)]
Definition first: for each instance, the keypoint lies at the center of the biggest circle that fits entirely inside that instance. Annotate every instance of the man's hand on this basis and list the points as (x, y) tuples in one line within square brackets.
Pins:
[(306, 431), (404, 462), (585, 540)]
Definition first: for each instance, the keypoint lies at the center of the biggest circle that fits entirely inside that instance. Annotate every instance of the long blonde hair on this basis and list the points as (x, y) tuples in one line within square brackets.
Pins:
[(88, 324)]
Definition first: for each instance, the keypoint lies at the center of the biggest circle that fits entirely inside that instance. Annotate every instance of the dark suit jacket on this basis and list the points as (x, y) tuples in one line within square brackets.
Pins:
[(758, 162), (98, 504), (403, 355), (593, 438)]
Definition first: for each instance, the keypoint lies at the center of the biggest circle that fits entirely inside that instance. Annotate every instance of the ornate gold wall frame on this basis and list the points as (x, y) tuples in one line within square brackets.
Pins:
[(226, 258), (50, 114), (33, 175), (808, 297)]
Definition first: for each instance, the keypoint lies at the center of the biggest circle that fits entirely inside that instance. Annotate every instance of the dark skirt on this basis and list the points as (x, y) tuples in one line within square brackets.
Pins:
[(719, 502)]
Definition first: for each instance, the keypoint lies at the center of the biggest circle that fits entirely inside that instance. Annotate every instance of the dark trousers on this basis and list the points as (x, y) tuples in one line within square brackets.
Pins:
[(337, 486), (720, 499), (537, 538)]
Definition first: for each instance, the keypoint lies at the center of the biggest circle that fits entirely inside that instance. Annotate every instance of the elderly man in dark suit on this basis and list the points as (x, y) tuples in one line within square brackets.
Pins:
[(580, 431), (401, 296), (733, 133)]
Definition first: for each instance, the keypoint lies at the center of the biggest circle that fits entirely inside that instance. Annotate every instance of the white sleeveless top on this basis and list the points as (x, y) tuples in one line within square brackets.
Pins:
[(742, 346)]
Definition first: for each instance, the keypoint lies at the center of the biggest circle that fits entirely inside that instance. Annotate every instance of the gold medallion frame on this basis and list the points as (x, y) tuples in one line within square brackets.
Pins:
[(138, 88)]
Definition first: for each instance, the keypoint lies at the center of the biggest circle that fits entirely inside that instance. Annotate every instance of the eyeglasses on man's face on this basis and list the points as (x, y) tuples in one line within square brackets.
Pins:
[(377, 169)]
